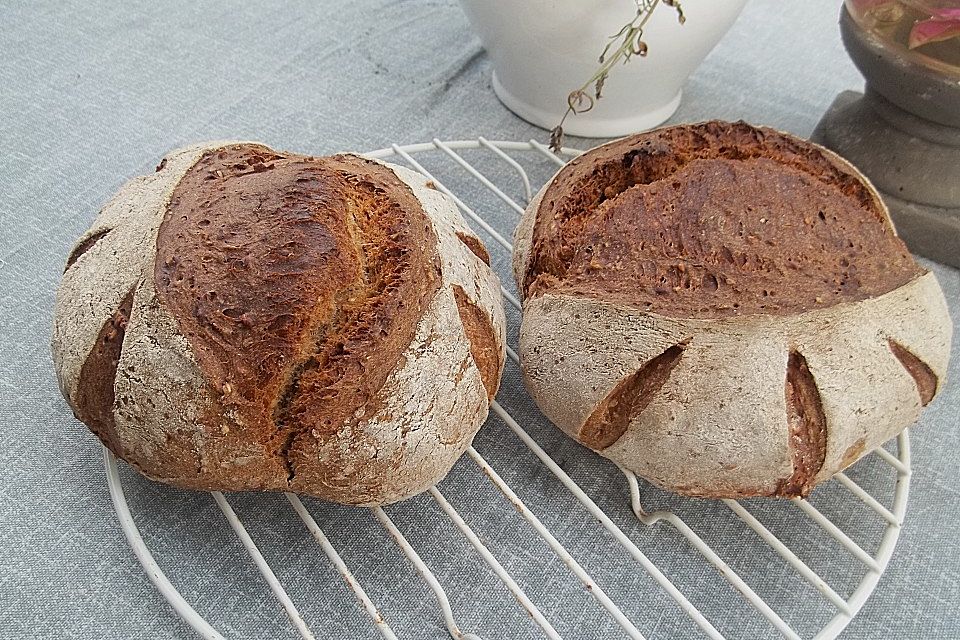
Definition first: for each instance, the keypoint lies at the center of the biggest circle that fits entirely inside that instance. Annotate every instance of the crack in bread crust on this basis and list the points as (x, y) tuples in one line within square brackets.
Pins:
[(95, 397), (475, 246), (714, 220), (298, 282), (609, 421), (807, 428), (923, 376), (85, 246), (483, 341)]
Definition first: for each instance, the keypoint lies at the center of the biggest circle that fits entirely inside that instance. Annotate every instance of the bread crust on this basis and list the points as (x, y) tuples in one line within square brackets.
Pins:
[(733, 405), (176, 417)]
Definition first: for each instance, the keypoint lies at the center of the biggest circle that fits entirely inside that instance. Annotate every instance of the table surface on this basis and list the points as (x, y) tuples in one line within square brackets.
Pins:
[(95, 92)]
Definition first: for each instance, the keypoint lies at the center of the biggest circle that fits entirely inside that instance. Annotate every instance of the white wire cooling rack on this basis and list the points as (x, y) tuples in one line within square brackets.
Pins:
[(877, 528)]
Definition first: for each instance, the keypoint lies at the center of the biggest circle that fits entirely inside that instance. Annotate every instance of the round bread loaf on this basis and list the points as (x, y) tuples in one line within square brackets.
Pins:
[(249, 319), (724, 310)]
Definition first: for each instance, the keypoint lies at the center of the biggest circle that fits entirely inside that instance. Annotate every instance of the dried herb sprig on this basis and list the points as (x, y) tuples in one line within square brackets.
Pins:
[(629, 42)]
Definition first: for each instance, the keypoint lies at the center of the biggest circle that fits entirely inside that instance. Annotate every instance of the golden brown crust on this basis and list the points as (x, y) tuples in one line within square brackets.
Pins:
[(713, 220), (244, 319), (298, 282)]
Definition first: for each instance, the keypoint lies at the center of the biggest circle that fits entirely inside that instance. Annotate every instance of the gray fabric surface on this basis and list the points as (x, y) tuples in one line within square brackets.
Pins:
[(95, 92)]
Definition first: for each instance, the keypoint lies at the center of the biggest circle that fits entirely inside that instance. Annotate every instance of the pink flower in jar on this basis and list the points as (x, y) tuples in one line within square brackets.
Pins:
[(943, 24)]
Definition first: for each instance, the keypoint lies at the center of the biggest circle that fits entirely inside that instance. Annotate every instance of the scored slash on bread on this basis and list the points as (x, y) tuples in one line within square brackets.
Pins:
[(247, 319), (725, 310)]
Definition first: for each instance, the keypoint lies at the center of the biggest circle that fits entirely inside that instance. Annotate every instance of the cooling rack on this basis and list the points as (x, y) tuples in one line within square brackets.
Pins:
[(763, 573)]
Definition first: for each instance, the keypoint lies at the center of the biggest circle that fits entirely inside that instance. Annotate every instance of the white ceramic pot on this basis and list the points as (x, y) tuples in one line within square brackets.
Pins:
[(544, 49)]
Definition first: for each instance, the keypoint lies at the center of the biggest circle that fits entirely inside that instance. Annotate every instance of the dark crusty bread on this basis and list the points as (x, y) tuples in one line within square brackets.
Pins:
[(267, 320), (713, 221), (725, 310)]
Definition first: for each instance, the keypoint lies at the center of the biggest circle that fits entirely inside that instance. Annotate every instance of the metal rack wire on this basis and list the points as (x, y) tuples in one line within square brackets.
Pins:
[(842, 607)]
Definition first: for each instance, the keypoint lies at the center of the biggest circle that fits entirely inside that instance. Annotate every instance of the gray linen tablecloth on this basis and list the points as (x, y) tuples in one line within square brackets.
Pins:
[(92, 93)]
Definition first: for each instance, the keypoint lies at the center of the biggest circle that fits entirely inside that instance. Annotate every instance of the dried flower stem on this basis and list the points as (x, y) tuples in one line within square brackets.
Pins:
[(629, 41)]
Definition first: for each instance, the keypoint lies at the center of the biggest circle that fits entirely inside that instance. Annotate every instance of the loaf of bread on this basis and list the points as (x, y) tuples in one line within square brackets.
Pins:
[(249, 319), (724, 310)]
